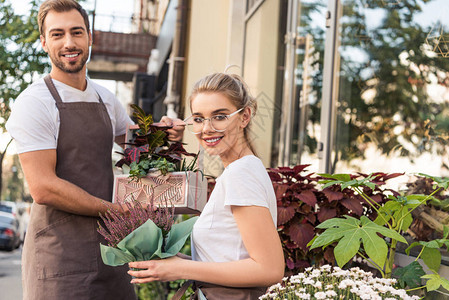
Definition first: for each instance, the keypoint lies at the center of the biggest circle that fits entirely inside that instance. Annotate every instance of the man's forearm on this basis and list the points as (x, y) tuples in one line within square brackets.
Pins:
[(63, 195), (47, 188)]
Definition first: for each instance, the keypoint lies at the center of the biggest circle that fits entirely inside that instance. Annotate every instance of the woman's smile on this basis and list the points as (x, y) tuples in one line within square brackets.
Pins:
[(212, 141)]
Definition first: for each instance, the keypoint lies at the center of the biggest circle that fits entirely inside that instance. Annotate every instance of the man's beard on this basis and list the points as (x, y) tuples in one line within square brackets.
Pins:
[(71, 68)]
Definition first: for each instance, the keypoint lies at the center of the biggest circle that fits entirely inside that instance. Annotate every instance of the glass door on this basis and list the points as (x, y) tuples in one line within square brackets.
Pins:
[(304, 39), (392, 62)]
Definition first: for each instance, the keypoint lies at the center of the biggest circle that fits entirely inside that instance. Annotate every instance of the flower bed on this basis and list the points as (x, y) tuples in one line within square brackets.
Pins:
[(335, 283)]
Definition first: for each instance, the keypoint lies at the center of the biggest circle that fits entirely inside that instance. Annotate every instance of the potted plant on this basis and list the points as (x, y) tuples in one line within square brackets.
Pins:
[(156, 168)]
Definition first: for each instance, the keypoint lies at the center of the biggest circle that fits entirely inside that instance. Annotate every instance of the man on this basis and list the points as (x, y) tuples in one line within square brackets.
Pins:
[(64, 127)]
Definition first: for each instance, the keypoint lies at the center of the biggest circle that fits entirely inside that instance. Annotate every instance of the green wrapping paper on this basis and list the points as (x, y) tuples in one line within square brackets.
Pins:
[(145, 243)]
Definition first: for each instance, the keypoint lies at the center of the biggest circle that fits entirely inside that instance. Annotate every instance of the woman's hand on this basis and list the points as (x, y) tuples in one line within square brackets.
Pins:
[(156, 270), (176, 132)]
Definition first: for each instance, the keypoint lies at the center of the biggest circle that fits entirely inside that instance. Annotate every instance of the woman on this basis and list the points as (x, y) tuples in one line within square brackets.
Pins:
[(235, 243)]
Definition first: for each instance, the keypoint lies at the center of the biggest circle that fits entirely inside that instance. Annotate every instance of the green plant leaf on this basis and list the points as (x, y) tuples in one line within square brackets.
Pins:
[(410, 275), (406, 217), (413, 245), (350, 233), (336, 177), (445, 231), (156, 139), (432, 258), (387, 210), (435, 281)]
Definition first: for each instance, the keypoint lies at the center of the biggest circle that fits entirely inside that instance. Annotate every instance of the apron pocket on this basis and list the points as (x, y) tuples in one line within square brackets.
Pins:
[(67, 246)]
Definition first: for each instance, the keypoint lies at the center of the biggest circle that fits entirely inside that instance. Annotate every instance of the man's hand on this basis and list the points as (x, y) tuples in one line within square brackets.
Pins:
[(177, 131)]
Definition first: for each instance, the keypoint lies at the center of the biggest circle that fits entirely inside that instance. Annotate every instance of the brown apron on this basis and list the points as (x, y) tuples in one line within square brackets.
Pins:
[(61, 255)]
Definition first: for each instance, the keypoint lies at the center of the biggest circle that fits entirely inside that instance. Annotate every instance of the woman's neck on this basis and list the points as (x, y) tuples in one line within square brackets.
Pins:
[(235, 155)]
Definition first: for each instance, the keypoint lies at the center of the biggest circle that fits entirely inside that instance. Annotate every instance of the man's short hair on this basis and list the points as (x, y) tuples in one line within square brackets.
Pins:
[(59, 6)]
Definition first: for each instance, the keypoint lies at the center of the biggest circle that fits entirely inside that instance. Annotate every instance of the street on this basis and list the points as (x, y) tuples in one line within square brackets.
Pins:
[(10, 275)]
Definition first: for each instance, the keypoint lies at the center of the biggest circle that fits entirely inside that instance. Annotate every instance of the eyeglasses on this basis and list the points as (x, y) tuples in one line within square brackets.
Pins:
[(218, 123)]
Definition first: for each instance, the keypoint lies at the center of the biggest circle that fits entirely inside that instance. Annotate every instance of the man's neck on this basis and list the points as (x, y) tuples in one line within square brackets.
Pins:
[(75, 80)]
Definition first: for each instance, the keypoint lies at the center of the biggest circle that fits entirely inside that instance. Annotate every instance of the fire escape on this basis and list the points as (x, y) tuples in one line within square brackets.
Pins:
[(118, 56)]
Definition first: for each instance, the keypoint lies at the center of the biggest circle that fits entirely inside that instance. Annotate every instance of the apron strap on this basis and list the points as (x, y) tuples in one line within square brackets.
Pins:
[(54, 92), (179, 293), (51, 87)]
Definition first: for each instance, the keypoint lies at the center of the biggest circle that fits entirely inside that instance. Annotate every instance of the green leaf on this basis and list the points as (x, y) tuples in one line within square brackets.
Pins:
[(413, 245), (146, 243), (432, 258), (178, 236), (347, 248), (387, 210), (156, 139), (410, 275), (337, 177), (350, 233), (406, 217), (435, 281)]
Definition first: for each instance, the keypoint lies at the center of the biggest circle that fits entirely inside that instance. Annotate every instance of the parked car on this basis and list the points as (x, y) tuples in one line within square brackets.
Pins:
[(9, 231)]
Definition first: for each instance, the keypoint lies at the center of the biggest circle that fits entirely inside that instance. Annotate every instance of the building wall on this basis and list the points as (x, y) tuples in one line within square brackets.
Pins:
[(218, 37), (206, 54), (259, 71)]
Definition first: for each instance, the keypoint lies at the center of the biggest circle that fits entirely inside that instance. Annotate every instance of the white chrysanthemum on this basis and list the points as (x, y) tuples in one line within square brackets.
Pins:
[(315, 273), (331, 293), (308, 281), (326, 268), (318, 284), (320, 295)]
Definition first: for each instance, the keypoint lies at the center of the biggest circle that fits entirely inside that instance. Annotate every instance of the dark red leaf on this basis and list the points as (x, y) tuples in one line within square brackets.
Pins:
[(299, 168), (177, 149), (377, 198), (307, 197), (326, 213), (275, 177), (305, 209), (332, 195), (329, 255), (291, 245), (290, 263), (301, 234), (354, 205), (285, 214), (302, 264), (279, 189), (133, 154), (311, 218)]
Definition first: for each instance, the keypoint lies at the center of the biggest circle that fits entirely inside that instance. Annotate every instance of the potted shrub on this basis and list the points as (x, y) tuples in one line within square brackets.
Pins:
[(156, 168)]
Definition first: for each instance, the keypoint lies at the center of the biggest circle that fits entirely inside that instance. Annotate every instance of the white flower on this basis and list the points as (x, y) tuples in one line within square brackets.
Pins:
[(320, 295), (331, 293), (326, 268), (308, 281)]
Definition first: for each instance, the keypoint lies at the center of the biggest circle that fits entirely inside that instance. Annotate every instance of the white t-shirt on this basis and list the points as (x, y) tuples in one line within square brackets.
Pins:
[(34, 120), (215, 235)]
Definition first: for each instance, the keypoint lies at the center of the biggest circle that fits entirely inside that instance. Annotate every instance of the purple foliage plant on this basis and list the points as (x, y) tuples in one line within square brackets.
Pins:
[(117, 225)]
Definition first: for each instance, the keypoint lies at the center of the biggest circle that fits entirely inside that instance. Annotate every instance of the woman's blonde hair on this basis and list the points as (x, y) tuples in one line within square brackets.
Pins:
[(232, 87)]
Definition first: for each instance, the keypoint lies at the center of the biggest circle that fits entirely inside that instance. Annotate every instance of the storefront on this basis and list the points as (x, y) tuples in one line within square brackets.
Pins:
[(343, 85)]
